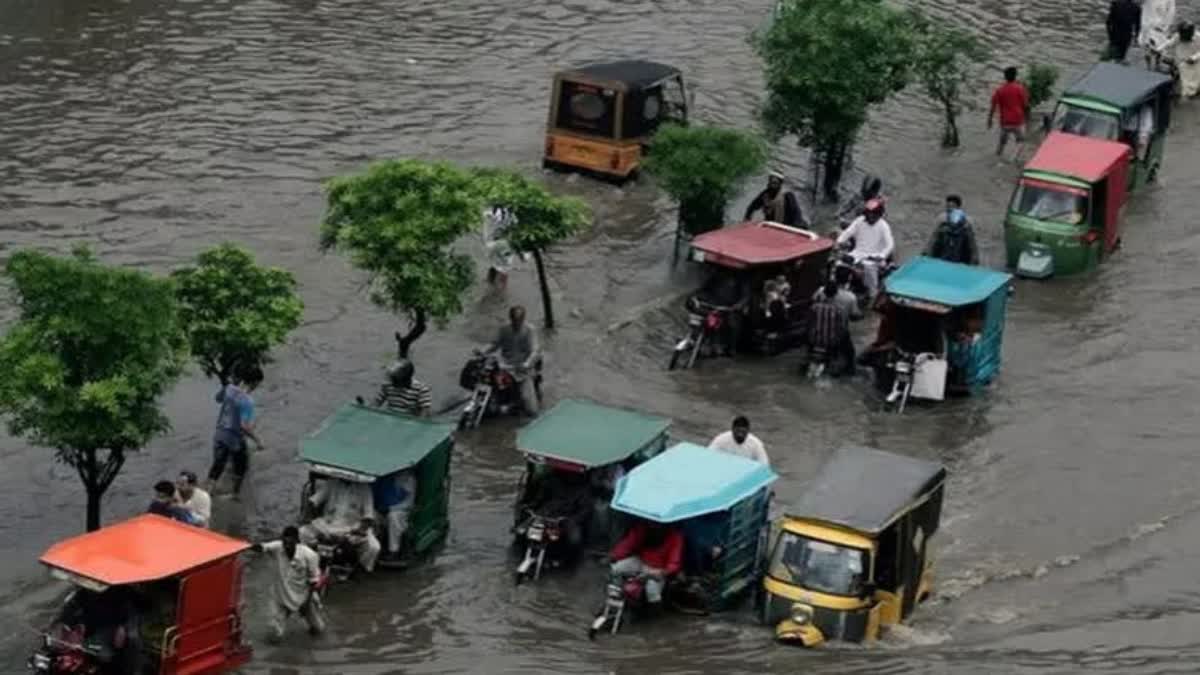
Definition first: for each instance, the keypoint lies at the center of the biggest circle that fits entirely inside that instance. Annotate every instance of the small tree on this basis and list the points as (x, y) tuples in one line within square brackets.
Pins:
[(1040, 79), (702, 168), (398, 221), (234, 311), (540, 219), (93, 350), (945, 59), (826, 63)]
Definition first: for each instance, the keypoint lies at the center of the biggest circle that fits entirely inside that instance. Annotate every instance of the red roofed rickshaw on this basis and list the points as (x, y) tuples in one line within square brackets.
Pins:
[(151, 596), (763, 277)]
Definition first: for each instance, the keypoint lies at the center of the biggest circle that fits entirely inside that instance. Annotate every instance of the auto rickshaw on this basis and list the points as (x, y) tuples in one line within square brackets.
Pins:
[(574, 454), (733, 309), (1065, 211), (853, 555), (718, 502), (603, 115), (151, 596), (942, 330), (1114, 102), (383, 449)]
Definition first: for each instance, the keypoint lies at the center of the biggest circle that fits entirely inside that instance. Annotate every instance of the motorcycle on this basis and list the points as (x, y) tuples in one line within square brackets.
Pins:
[(704, 332), (67, 654), (540, 534), (338, 558), (844, 265), (494, 388), (903, 366), (623, 591)]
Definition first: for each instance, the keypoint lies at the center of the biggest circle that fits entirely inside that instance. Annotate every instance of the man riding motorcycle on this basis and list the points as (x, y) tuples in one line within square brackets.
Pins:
[(566, 495), (519, 353), (873, 243)]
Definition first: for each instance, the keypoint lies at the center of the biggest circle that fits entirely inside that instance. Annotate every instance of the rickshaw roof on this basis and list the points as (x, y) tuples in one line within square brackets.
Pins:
[(630, 74), (146, 548), (945, 283), (372, 441), (1082, 157), (590, 434), (689, 480), (1118, 85), (865, 489), (759, 243)]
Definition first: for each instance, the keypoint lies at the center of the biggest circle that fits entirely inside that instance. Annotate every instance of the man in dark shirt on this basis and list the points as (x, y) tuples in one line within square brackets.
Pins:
[(829, 329), (777, 205), (954, 239), (1124, 22), (519, 353)]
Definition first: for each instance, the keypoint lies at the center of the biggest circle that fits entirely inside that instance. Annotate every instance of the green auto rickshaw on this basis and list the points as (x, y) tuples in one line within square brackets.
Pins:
[(1120, 103)]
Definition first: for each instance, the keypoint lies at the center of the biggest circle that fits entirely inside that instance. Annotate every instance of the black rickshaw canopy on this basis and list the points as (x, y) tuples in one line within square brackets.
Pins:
[(1117, 85), (629, 75)]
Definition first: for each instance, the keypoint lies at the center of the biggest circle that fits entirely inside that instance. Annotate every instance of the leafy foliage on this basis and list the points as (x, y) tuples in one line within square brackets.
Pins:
[(398, 221), (703, 166), (1040, 79), (93, 350), (234, 311), (945, 60)]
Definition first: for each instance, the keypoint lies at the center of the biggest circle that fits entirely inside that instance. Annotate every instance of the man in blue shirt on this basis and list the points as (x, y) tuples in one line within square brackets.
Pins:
[(235, 423)]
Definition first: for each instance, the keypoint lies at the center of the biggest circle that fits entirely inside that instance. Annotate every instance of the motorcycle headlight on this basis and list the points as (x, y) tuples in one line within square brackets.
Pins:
[(801, 614)]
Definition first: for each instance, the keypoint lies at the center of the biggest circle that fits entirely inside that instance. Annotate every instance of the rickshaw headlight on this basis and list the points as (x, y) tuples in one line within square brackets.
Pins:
[(801, 614)]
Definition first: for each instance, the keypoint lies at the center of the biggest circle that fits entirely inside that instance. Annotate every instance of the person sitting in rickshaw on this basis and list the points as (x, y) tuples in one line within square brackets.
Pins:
[(394, 497), (347, 512), (566, 495), (775, 306), (731, 294), (110, 624), (652, 550)]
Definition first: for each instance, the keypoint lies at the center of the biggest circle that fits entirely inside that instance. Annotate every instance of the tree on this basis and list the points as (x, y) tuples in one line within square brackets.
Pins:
[(397, 221), (1039, 81), (92, 351), (826, 63), (540, 219), (233, 311), (945, 59), (702, 168)]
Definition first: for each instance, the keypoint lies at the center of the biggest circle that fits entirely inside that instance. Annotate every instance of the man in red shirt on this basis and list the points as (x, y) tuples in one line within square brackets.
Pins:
[(1012, 100), (652, 549)]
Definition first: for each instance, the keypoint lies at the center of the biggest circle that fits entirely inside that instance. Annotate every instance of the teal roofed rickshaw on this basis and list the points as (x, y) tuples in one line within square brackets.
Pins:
[(715, 504), (574, 454), (942, 330), (395, 466)]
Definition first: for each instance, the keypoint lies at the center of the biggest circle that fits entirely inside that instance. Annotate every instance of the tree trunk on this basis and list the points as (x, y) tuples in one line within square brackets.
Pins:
[(950, 135), (404, 341), (835, 164), (96, 478), (547, 306), (700, 216)]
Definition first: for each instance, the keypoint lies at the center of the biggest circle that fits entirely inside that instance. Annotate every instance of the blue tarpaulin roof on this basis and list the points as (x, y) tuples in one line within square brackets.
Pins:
[(944, 282), (689, 480)]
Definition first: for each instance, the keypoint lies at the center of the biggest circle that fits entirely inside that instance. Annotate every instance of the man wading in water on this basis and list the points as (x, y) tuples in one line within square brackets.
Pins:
[(778, 205)]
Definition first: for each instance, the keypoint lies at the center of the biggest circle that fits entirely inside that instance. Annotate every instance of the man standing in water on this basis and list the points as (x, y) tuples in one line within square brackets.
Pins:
[(297, 576), (519, 354), (1124, 22), (739, 441), (1012, 100), (235, 423), (954, 239), (778, 205)]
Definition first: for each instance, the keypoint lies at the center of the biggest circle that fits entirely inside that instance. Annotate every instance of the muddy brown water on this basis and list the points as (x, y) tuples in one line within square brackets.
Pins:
[(151, 130)]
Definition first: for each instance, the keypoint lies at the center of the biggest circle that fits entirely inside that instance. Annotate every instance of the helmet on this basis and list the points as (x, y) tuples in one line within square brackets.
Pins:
[(874, 206), (871, 187), (400, 373)]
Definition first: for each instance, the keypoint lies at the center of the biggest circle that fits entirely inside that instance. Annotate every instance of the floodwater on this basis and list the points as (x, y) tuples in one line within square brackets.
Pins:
[(153, 129)]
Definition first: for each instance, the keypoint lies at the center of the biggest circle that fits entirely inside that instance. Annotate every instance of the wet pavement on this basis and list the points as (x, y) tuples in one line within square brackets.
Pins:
[(151, 130)]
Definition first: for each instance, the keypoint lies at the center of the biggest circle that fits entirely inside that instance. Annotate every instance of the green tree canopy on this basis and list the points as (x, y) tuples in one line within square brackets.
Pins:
[(826, 63), (234, 311), (1040, 79), (946, 61), (398, 221), (540, 218), (93, 350), (702, 168)]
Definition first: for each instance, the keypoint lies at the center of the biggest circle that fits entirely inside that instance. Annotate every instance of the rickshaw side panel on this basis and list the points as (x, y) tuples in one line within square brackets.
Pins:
[(429, 520), (740, 564), (208, 623), (986, 355)]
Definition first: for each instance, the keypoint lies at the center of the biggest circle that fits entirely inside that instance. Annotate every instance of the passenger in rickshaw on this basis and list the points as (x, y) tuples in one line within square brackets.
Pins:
[(909, 330), (347, 511), (730, 293), (566, 495), (775, 305), (653, 550), (1138, 129), (394, 496), (965, 328), (109, 624)]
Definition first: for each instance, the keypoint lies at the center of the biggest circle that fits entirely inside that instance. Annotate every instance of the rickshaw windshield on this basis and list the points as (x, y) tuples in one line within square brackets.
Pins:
[(1060, 204), (587, 108), (1085, 122), (818, 565)]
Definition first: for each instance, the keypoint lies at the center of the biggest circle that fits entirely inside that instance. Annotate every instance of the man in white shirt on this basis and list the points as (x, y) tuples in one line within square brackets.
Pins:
[(347, 510), (873, 243), (194, 499), (297, 575), (739, 441)]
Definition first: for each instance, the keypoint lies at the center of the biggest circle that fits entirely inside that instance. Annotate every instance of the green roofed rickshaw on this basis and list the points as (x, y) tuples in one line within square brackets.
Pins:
[(574, 455), (379, 482)]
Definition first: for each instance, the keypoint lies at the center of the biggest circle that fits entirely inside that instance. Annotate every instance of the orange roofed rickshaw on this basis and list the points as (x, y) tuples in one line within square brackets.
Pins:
[(151, 596)]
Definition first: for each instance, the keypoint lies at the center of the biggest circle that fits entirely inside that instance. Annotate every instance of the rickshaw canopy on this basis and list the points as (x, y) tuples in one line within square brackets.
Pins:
[(944, 283), (587, 435), (1117, 85), (757, 243), (866, 490), (628, 75), (146, 548), (362, 443), (689, 480), (1080, 157)]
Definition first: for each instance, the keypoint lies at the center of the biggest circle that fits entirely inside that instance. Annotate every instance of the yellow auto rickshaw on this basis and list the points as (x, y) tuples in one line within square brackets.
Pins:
[(603, 115), (853, 556)]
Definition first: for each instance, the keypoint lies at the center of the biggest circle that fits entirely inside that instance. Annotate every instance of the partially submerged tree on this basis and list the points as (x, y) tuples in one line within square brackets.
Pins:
[(1040, 79), (703, 168), (945, 62), (826, 63), (539, 219), (233, 310), (91, 353), (398, 221)]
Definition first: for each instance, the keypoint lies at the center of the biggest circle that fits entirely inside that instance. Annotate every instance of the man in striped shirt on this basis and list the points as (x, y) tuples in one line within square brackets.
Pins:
[(404, 393), (829, 327)]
